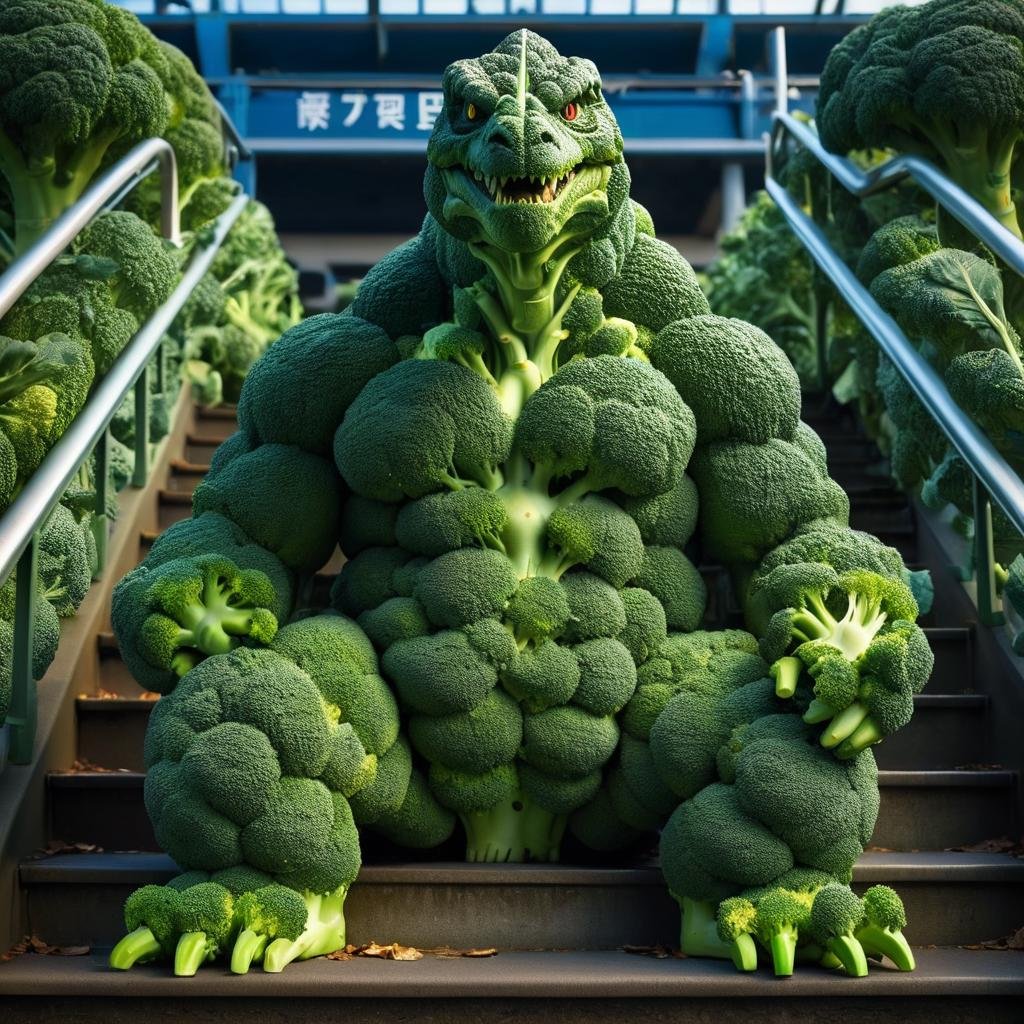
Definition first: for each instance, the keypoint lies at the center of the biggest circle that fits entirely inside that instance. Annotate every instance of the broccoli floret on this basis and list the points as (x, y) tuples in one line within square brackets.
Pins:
[(206, 920), (366, 523), (448, 520), (737, 925), (899, 241), (595, 608), (421, 426), (272, 912), (882, 932), (537, 611), (173, 615), (82, 79), (151, 917), (460, 587), (616, 423), (737, 381), (942, 81), (595, 533), (674, 580), (835, 917), (568, 741), (473, 741), (543, 676), (667, 519), (398, 618), (606, 676)]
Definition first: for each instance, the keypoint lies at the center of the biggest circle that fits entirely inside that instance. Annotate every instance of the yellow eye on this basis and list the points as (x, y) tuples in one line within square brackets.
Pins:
[(471, 111)]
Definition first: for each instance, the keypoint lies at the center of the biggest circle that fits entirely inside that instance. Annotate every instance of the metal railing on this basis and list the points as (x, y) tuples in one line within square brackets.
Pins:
[(89, 432), (994, 479)]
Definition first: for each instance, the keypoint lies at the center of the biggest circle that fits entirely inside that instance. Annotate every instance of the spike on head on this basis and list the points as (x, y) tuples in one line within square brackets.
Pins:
[(522, 83)]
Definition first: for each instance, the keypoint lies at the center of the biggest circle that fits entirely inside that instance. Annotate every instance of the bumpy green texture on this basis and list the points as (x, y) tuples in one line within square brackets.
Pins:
[(944, 80), (499, 434)]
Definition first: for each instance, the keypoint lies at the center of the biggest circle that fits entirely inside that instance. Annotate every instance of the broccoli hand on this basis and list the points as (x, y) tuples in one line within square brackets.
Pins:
[(193, 607)]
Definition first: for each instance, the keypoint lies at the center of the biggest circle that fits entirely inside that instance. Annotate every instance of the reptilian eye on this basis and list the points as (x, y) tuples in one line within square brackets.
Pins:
[(570, 111), (471, 112)]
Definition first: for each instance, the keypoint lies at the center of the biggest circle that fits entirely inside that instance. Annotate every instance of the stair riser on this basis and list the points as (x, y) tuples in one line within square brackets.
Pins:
[(935, 738), (171, 514), (915, 1009), (953, 671), (912, 817), (939, 817), (535, 916)]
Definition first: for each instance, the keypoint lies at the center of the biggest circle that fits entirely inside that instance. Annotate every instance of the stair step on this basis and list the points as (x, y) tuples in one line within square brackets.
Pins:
[(174, 506), (596, 987), (950, 898), (921, 810), (933, 810), (221, 421), (199, 446), (954, 659), (946, 730), (186, 475)]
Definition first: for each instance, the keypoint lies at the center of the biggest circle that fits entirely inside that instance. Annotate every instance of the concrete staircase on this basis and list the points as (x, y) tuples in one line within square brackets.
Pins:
[(559, 929)]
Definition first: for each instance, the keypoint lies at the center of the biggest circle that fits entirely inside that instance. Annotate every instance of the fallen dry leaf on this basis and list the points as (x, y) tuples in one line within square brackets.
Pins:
[(449, 952), (149, 695), (34, 944), (1008, 942), (393, 951), (1003, 844), (55, 847)]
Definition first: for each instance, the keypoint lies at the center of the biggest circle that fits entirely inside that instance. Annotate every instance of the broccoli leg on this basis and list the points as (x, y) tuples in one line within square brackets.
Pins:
[(324, 932), (850, 953), (137, 947), (877, 942), (513, 831), (782, 947), (699, 935), (193, 950), (249, 946), (786, 673)]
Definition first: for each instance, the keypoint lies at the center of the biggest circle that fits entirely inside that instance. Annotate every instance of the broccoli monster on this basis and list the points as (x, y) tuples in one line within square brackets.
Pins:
[(525, 431)]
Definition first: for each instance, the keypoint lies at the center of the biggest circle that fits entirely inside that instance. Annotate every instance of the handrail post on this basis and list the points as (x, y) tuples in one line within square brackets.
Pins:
[(780, 69), (100, 524), (21, 718), (984, 558), (140, 472)]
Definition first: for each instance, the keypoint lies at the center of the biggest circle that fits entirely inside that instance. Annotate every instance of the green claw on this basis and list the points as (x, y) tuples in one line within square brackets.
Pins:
[(783, 949), (843, 725), (191, 952), (866, 734), (786, 673), (883, 942), (744, 953), (249, 946), (818, 711), (135, 948), (850, 953)]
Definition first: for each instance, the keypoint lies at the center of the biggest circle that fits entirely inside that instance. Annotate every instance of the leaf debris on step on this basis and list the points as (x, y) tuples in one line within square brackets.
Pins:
[(56, 847), (102, 694), (1014, 942), (83, 766), (659, 952), (1001, 844), (34, 944), (396, 951)]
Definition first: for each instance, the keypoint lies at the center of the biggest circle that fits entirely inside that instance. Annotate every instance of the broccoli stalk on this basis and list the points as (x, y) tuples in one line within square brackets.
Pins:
[(151, 917), (324, 931), (882, 934), (206, 922), (513, 830), (700, 934), (779, 916), (835, 916), (267, 915), (737, 922)]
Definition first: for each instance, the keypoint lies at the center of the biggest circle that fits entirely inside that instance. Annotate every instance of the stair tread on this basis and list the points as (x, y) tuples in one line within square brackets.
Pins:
[(512, 975), (138, 868), (179, 466), (216, 412), (175, 497)]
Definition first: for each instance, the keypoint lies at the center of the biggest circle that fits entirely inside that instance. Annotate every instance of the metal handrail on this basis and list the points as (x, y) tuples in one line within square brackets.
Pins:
[(967, 210), (43, 490), (999, 478), (130, 169)]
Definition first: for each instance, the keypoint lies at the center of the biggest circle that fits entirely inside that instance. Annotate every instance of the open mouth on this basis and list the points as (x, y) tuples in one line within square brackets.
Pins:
[(533, 189)]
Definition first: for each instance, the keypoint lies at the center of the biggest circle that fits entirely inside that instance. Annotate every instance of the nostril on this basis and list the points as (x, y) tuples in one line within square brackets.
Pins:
[(546, 136), (500, 139)]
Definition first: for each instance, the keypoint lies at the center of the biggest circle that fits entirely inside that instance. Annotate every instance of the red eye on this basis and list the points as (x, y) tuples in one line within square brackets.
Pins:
[(570, 111)]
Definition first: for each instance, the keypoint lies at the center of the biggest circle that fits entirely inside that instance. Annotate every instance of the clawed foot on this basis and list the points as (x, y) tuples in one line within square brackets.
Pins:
[(192, 926), (801, 920)]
